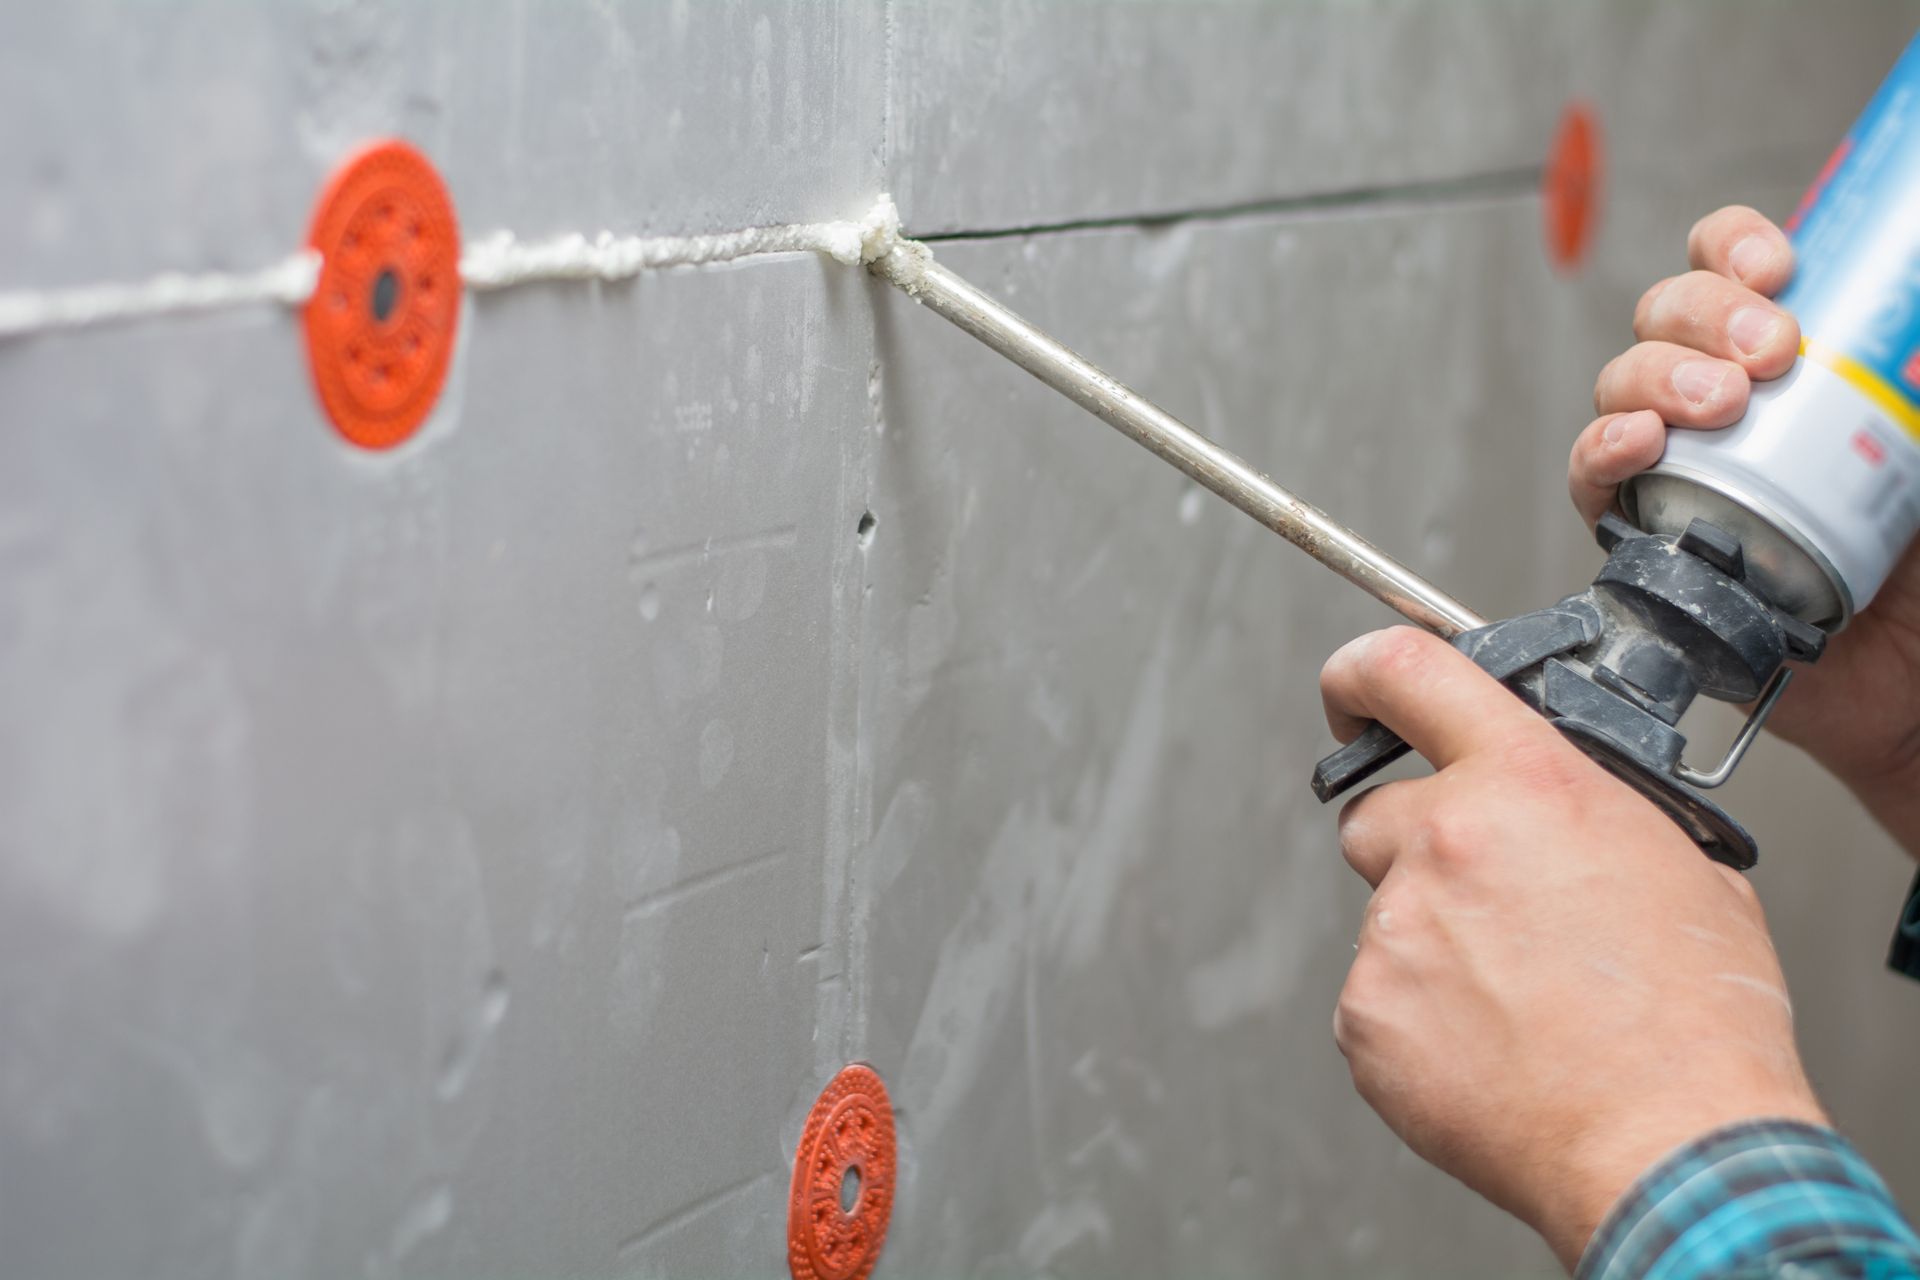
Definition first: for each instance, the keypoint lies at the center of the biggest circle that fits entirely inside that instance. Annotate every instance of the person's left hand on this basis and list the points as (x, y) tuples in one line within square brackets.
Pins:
[(1703, 339), (1553, 987)]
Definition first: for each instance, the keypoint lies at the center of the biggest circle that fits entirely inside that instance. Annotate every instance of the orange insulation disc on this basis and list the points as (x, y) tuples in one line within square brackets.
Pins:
[(1571, 186), (382, 319), (842, 1192)]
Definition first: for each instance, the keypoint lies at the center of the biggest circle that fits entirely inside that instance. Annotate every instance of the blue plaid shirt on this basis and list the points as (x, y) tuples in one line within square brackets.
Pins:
[(1772, 1198)]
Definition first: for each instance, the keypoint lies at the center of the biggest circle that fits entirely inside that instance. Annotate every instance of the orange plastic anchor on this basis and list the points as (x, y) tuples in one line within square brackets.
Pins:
[(384, 314), (843, 1171), (1571, 186)]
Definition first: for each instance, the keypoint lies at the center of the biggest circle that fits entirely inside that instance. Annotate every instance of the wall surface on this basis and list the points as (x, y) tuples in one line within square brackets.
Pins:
[(472, 861)]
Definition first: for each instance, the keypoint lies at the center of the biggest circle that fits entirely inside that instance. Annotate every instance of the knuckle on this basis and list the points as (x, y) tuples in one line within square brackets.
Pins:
[(1352, 847), (1677, 294), (1699, 284), (1389, 658), (1584, 444), (1700, 234), (1786, 344), (1643, 310), (1408, 659), (1582, 459), (1356, 829), (1643, 373), (1717, 229), (1606, 386), (1335, 671), (1397, 924), (1451, 834), (1450, 828), (1355, 1014), (1687, 307), (1346, 1033), (1584, 481), (1402, 653), (1720, 220), (1735, 390)]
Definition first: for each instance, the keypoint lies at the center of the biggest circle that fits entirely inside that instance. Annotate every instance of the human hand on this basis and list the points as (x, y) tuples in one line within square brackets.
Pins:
[(1553, 987), (1703, 337)]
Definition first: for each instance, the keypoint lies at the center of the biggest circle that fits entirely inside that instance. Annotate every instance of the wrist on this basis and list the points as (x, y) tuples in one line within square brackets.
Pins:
[(1599, 1168), (1760, 1197)]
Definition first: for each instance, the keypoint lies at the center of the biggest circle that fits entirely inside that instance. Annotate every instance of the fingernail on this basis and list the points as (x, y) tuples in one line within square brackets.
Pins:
[(1698, 380), (1752, 328), (1617, 429), (1751, 256)]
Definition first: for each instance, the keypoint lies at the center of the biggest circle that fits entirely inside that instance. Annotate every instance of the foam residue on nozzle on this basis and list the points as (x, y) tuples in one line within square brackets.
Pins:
[(879, 230)]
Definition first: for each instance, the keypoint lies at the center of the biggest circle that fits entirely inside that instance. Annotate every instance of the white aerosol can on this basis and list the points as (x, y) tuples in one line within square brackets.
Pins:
[(1821, 479)]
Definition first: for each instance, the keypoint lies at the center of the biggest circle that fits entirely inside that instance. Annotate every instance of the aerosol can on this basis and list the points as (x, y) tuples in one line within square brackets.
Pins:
[(1820, 480)]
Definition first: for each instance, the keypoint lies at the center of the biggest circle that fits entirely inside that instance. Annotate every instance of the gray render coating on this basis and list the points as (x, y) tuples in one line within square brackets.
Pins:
[(473, 861)]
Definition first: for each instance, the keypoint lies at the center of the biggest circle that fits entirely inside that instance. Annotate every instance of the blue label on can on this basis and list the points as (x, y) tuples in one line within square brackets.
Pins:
[(1856, 236)]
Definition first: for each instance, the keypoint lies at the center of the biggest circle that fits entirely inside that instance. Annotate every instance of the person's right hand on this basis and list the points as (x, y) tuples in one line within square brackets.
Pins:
[(1552, 987), (1703, 338)]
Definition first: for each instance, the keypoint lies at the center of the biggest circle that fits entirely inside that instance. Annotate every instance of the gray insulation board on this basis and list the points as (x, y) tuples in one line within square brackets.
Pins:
[(473, 861)]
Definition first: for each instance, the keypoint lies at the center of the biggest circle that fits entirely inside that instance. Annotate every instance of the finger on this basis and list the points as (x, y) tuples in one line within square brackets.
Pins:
[(1613, 447), (1718, 317), (1685, 388), (1742, 244), (1424, 690), (1374, 827)]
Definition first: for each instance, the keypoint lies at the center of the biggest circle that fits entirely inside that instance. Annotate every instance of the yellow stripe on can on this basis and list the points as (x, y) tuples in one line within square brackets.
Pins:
[(1896, 404)]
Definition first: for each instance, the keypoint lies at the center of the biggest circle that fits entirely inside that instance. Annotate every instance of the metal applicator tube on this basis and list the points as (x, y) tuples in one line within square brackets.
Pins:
[(910, 266)]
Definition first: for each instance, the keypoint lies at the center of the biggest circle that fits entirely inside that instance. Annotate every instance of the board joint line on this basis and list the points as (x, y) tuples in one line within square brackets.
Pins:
[(1520, 180)]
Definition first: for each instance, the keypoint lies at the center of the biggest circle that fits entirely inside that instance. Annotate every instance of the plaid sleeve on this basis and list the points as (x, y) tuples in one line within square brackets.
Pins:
[(1763, 1198)]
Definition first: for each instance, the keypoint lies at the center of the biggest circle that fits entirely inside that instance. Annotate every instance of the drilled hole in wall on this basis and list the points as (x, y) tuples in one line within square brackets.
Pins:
[(864, 530), (849, 1189), (386, 295)]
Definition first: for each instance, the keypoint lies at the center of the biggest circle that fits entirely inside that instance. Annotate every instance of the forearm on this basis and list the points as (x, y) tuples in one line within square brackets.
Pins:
[(1759, 1199)]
